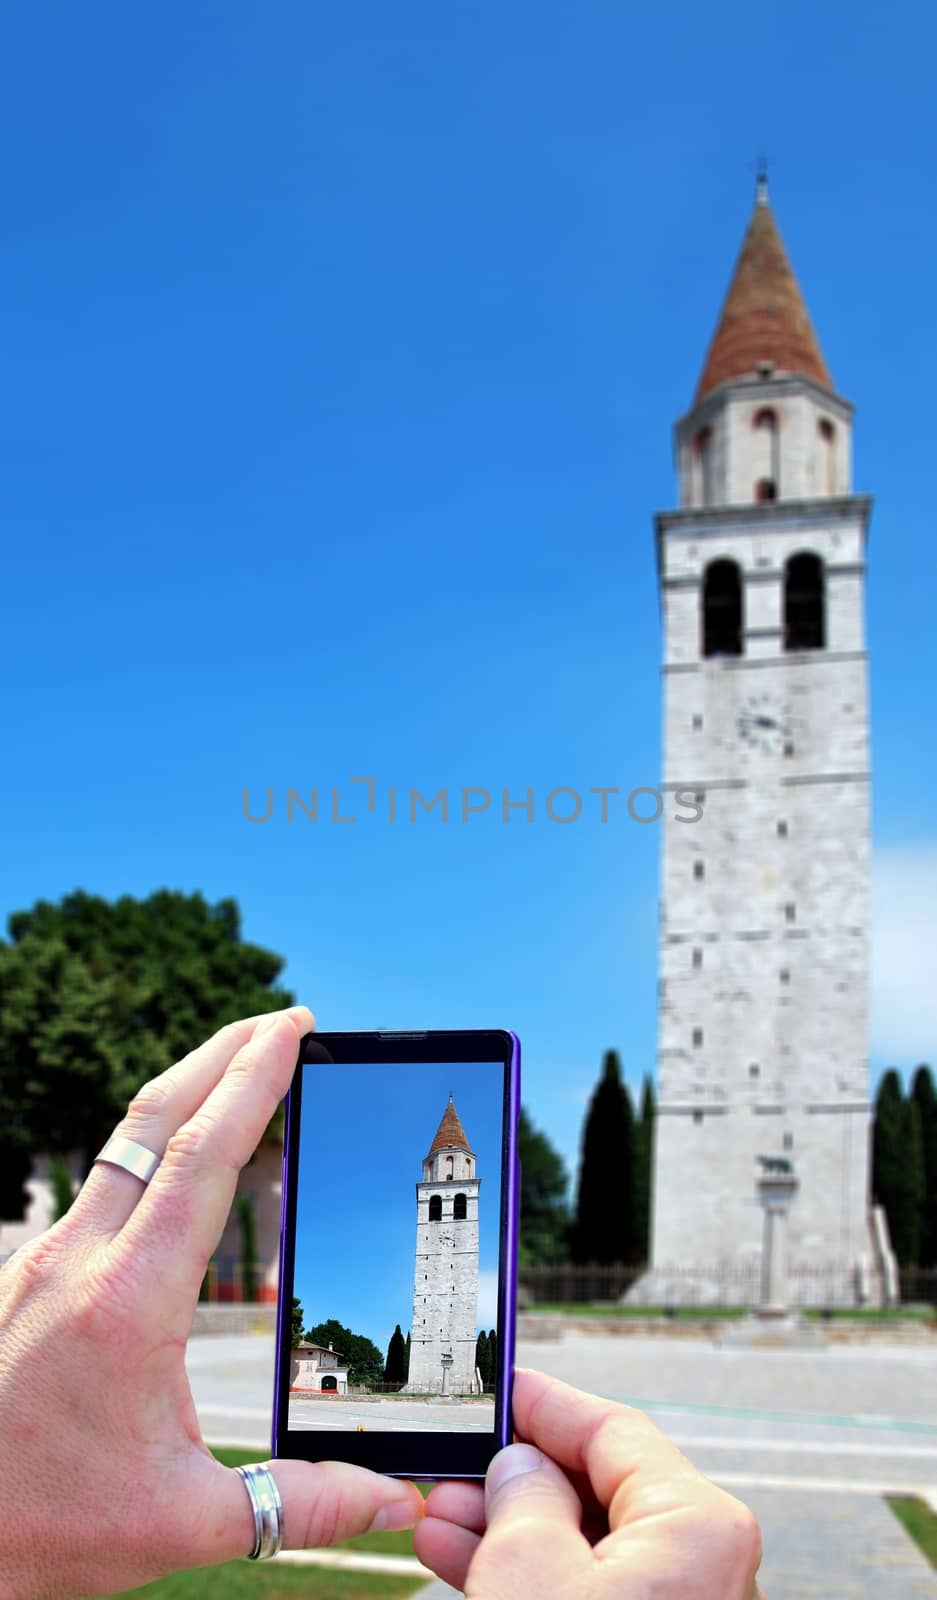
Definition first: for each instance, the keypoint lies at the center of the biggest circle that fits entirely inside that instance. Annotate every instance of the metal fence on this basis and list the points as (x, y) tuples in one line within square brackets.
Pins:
[(918, 1286), (730, 1283), (236, 1282), (229, 1282), (361, 1391), (571, 1285)]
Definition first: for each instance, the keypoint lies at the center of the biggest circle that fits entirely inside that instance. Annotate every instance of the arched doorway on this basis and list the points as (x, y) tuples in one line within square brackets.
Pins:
[(329, 1384)]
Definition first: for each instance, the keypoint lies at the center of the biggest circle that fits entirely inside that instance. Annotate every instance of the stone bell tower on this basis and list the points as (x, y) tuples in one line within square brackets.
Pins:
[(764, 928), (445, 1278)]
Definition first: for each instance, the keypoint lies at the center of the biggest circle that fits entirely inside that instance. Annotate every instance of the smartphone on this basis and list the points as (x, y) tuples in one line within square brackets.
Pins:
[(398, 1240)]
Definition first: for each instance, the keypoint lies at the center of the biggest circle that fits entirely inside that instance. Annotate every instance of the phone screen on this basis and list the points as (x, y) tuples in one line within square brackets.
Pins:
[(399, 1270)]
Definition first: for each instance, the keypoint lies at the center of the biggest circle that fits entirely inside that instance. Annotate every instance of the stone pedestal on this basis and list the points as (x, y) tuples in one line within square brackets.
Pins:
[(776, 1190), (785, 1331), (773, 1326)]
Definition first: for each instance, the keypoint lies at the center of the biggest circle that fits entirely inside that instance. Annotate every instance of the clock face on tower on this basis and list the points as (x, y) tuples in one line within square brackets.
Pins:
[(764, 723)]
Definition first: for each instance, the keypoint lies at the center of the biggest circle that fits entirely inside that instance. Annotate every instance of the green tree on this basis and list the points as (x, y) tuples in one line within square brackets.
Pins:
[(63, 1192), (886, 1147), (59, 1060), (544, 1213), (493, 1353), (643, 1171), (909, 1201), (898, 1166), (96, 996), (924, 1095), (247, 1228), (604, 1226), (362, 1357), (395, 1367), (483, 1358), (296, 1326), (16, 1164), (408, 1356)]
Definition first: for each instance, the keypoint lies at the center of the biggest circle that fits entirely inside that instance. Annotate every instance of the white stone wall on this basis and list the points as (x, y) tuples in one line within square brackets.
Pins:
[(309, 1367), (764, 959), (446, 1165), (445, 1289), (802, 463)]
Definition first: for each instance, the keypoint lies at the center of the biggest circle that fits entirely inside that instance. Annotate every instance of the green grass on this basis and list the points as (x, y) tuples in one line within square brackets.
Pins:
[(242, 1580), (918, 1520)]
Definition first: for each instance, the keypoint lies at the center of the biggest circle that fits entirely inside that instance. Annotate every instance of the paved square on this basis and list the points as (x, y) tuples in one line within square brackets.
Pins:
[(810, 1439), (392, 1416)]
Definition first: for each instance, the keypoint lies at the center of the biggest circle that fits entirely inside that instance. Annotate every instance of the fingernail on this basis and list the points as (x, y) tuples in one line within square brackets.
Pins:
[(510, 1463), (268, 1023), (397, 1514)]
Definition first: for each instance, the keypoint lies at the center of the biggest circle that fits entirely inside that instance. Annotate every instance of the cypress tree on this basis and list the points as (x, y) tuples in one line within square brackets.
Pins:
[(925, 1096), (483, 1358), (244, 1206), (493, 1353), (604, 1230), (909, 1199), (886, 1136), (63, 1192), (643, 1169), (395, 1367), (408, 1354), (898, 1166)]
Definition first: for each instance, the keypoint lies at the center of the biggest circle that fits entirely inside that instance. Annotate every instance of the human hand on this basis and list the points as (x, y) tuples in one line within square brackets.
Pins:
[(596, 1504), (107, 1481)]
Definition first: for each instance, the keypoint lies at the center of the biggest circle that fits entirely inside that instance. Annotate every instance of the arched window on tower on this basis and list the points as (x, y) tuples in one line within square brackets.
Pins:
[(722, 609), (435, 1208), (459, 1208), (804, 619), (765, 460), (703, 467), (826, 477)]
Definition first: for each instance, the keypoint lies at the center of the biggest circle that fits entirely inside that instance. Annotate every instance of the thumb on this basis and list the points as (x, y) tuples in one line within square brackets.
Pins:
[(533, 1543), (324, 1502)]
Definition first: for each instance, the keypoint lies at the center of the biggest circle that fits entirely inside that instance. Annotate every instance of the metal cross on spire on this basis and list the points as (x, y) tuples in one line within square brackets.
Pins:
[(761, 178)]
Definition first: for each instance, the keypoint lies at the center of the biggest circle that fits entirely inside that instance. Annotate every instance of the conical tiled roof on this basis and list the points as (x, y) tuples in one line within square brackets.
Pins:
[(764, 318), (450, 1132)]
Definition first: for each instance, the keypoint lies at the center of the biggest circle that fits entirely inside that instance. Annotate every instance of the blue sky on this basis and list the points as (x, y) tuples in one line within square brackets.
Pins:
[(341, 348), (363, 1139)]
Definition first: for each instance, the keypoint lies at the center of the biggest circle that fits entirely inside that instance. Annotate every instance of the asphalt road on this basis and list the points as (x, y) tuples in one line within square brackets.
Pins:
[(811, 1439)]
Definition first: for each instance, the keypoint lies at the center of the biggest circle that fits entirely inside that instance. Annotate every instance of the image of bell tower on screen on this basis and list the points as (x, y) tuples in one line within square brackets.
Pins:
[(445, 1279)]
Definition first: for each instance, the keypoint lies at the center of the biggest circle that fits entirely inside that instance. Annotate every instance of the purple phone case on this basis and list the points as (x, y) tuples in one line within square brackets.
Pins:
[(507, 1299)]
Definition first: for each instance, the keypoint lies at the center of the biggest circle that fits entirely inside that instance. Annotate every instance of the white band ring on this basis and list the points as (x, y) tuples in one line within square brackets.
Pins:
[(267, 1507), (134, 1158)]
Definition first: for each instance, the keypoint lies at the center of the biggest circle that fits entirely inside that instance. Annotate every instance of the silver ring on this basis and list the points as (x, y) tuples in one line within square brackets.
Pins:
[(134, 1158), (267, 1507)]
